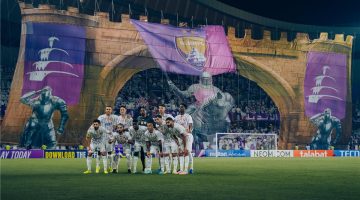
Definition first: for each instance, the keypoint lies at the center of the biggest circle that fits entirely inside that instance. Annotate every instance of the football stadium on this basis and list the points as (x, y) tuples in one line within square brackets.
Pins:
[(179, 99)]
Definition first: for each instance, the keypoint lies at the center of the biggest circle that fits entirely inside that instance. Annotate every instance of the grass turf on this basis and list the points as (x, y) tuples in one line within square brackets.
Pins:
[(215, 178)]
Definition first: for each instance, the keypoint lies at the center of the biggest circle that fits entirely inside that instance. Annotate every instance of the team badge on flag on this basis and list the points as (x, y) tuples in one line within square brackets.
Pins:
[(192, 49)]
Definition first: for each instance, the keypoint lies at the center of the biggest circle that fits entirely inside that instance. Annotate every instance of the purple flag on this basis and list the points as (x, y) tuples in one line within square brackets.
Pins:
[(187, 51), (54, 56), (325, 84)]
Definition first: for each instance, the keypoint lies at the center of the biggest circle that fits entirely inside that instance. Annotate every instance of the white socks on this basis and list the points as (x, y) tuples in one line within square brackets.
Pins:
[(148, 162), (88, 162), (110, 159), (104, 158), (134, 163), (181, 163), (175, 163), (191, 161), (128, 161), (116, 161), (186, 163), (97, 159), (167, 164), (162, 163)]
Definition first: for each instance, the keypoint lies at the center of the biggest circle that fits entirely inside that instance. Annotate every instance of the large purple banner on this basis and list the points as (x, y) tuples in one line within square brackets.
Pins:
[(54, 57), (325, 84), (188, 51)]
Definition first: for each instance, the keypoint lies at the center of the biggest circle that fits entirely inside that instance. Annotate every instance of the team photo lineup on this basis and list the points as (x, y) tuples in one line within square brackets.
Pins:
[(166, 137)]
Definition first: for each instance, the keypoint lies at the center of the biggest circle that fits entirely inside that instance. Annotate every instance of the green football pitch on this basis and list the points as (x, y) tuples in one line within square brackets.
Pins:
[(215, 178)]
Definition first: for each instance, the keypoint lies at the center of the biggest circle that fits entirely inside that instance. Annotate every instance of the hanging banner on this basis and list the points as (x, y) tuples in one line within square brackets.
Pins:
[(54, 57), (187, 51), (325, 84)]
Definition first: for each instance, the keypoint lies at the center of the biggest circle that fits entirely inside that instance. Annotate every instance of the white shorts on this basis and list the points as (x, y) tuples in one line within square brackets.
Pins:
[(97, 147), (109, 147), (189, 142), (154, 149), (137, 146), (181, 145), (170, 147), (127, 151)]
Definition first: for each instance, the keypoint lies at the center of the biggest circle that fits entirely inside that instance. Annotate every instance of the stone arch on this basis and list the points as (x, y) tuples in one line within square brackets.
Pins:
[(118, 71), (267, 79), (275, 86)]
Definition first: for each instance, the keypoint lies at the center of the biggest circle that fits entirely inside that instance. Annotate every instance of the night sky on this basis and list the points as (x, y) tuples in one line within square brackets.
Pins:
[(315, 12)]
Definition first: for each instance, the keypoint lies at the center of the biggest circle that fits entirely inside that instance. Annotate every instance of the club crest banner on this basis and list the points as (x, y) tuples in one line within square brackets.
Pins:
[(187, 51), (54, 57), (325, 84)]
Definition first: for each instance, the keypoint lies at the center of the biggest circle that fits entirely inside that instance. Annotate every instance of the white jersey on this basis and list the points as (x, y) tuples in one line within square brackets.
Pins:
[(119, 139), (138, 135), (109, 122), (127, 121), (153, 137), (165, 116), (185, 120), (176, 131), (167, 134), (97, 136)]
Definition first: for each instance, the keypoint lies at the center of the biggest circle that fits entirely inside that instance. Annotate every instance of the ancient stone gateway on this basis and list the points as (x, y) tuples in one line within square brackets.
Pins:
[(115, 52)]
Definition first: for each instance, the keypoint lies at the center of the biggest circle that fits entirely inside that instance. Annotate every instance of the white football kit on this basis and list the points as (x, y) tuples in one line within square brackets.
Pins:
[(139, 142), (127, 121), (122, 138), (109, 122), (154, 138)]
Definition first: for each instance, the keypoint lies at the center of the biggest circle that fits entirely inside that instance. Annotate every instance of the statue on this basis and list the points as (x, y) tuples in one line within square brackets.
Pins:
[(325, 123), (39, 129), (210, 111)]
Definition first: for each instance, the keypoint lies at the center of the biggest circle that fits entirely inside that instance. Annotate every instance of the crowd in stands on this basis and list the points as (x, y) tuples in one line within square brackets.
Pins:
[(247, 142), (253, 111), (5, 91), (354, 142)]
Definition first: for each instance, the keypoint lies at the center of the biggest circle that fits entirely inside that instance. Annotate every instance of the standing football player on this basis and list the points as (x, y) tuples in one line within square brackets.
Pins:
[(138, 135), (97, 134), (124, 118), (153, 139), (186, 121), (163, 116), (178, 132), (143, 118), (162, 109), (170, 147), (109, 121)]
